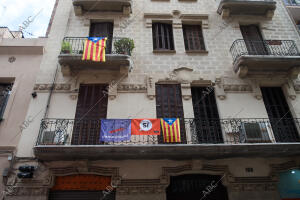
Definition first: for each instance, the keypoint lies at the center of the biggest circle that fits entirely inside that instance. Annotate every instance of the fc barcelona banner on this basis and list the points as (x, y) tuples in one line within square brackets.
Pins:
[(145, 127), (171, 129), (94, 49), (115, 130)]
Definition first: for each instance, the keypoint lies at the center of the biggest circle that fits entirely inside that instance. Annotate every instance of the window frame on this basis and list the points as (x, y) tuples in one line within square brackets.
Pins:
[(201, 41), (163, 41)]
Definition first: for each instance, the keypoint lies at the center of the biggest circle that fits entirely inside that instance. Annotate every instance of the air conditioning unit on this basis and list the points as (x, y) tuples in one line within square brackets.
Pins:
[(255, 132)]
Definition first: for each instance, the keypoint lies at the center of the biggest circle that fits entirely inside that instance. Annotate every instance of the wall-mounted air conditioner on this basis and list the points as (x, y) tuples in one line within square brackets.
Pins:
[(256, 132)]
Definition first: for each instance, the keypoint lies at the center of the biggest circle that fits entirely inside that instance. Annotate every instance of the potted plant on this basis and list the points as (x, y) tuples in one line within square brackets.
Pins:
[(124, 46), (66, 47)]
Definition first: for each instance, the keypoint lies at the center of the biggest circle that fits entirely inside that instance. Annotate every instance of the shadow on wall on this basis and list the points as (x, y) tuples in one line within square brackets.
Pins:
[(289, 185)]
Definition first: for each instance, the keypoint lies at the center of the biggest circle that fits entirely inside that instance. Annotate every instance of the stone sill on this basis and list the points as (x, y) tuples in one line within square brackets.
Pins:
[(164, 51), (196, 51)]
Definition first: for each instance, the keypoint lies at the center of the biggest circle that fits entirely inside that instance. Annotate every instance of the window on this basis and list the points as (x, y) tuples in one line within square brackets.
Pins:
[(162, 36), (104, 29), (193, 37), (4, 95)]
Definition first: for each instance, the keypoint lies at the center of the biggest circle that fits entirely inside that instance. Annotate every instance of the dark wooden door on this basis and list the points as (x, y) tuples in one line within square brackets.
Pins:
[(207, 121), (253, 40), (91, 107), (169, 105), (282, 122), (104, 29), (196, 187)]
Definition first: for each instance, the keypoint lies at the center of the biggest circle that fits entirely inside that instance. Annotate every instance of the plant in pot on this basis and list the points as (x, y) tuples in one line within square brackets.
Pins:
[(66, 47), (124, 46)]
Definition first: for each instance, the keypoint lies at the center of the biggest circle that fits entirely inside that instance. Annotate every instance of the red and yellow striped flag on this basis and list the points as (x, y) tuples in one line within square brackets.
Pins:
[(94, 49), (171, 129)]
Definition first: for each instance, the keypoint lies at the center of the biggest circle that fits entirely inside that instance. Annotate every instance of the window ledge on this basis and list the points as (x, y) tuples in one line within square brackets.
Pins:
[(196, 51), (164, 51)]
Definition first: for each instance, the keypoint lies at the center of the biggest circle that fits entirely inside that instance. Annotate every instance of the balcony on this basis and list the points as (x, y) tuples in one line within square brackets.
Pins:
[(71, 60), (214, 138), (268, 57), (294, 7), (82, 7), (264, 8)]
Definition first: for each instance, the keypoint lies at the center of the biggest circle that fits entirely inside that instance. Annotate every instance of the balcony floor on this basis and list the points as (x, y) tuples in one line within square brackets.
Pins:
[(266, 64), (174, 151)]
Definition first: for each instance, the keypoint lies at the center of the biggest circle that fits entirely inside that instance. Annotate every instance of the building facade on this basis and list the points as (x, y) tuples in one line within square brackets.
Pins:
[(293, 7), (228, 70), (20, 59)]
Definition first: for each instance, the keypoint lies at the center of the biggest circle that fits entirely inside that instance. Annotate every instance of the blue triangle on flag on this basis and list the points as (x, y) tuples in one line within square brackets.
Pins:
[(170, 121), (95, 39)]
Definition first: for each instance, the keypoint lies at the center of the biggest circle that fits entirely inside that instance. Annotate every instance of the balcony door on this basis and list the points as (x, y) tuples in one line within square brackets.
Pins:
[(281, 119), (104, 29), (253, 40), (91, 107), (169, 105), (207, 128)]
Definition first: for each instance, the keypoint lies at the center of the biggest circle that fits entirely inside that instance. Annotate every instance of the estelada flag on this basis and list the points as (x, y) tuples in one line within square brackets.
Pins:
[(145, 127), (171, 129), (94, 49)]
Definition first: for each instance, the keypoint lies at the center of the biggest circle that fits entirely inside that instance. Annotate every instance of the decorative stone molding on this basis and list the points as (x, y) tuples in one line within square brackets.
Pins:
[(277, 168), (237, 88), (219, 89), (177, 18), (141, 186), (150, 88), (183, 74), (290, 90), (238, 187), (256, 91), (60, 87), (186, 91), (25, 191), (132, 88)]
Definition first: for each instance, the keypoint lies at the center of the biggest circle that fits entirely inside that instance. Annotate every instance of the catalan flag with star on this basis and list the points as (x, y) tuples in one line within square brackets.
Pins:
[(94, 49), (171, 130)]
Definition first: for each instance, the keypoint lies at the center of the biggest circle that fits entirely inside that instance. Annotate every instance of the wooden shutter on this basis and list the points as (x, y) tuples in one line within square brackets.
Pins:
[(91, 107), (169, 105), (282, 122), (162, 36), (253, 40), (4, 96), (193, 37), (104, 29), (207, 121)]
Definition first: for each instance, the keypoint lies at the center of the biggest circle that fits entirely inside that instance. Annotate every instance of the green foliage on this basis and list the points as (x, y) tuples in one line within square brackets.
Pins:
[(66, 47), (124, 46)]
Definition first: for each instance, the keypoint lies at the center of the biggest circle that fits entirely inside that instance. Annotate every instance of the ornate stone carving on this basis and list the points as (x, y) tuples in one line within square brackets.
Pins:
[(238, 187), (219, 89), (150, 88), (186, 91), (132, 88), (60, 87), (25, 191), (289, 88), (237, 88)]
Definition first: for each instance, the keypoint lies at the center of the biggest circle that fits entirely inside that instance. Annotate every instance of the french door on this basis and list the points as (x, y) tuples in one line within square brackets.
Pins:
[(104, 29), (253, 40), (207, 121), (91, 107), (169, 105), (281, 119)]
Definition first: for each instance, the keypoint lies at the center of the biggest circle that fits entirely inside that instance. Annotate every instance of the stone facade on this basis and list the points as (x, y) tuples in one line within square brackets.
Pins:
[(132, 95)]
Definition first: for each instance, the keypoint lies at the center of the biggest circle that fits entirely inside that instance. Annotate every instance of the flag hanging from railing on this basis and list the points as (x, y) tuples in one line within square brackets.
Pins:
[(171, 129), (115, 130), (94, 49)]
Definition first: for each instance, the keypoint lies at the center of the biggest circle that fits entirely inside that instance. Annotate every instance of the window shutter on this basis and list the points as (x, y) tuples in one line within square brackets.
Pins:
[(193, 37), (162, 36)]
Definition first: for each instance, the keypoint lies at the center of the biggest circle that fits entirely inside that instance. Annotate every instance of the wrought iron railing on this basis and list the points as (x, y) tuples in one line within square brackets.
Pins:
[(195, 131), (292, 2), (75, 46), (265, 47)]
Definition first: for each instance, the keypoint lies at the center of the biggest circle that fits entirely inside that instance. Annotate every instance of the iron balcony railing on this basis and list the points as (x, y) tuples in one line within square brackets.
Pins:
[(264, 47), (75, 46), (193, 131), (292, 2)]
